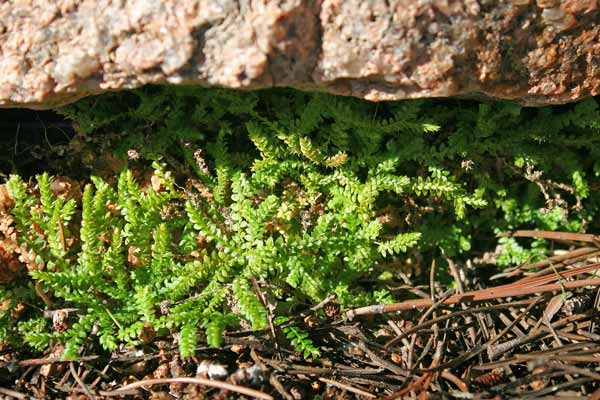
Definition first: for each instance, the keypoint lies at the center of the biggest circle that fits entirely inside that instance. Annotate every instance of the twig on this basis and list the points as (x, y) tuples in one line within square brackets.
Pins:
[(413, 386), (456, 314), (559, 387), (382, 362), (502, 347), (101, 374), (279, 387), (426, 314), (526, 379), (349, 388), (480, 349), (322, 304), (560, 260), (432, 280), (308, 370), (565, 358), (430, 311), (13, 393), (461, 289), (474, 296), (506, 321), (551, 265), (596, 307), (573, 347), (81, 383), (552, 331), (437, 356), (459, 383), (424, 353), (40, 292), (595, 395), (561, 236), (426, 385), (194, 381), (42, 361), (263, 300)]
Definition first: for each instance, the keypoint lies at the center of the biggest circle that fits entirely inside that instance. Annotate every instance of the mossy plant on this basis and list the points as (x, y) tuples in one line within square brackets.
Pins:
[(260, 203)]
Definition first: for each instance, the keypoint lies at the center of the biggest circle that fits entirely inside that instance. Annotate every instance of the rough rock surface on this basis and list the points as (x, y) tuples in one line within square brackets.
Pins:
[(534, 51)]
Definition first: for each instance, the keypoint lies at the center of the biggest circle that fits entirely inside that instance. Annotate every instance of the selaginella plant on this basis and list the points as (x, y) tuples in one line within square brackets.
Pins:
[(293, 197)]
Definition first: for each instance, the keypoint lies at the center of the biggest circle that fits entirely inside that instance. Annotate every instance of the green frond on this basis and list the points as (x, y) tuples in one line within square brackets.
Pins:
[(299, 339), (400, 244), (188, 340), (309, 194), (250, 306)]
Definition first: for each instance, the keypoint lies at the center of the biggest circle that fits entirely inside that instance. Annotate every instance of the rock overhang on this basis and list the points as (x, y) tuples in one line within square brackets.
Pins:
[(533, 52)]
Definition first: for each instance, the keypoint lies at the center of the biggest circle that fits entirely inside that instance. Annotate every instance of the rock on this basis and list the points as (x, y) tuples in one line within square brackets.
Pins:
[(535, 52)]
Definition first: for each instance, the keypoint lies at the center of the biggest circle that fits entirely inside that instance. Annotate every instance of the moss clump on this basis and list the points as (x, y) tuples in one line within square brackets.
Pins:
[(293, 197)]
